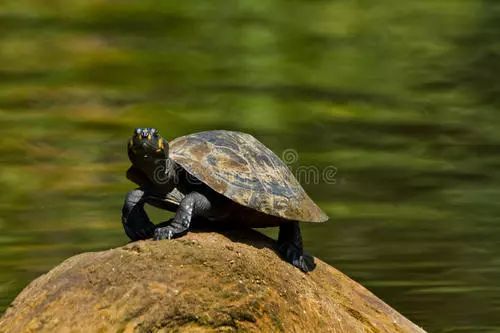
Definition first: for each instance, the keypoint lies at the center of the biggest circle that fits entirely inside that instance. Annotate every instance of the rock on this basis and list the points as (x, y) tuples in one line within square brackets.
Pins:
[(202, 282)]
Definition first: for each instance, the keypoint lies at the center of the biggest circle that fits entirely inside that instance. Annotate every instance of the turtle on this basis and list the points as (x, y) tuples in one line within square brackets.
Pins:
[(217, 177)]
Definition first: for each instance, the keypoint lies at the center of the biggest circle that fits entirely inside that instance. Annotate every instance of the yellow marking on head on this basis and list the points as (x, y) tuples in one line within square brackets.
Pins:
[(131, 142), (149, 137), (160, 144)]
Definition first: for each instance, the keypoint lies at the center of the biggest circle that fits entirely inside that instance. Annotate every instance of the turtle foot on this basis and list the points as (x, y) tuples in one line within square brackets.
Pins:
[(163, 233), (296, 256), (139, 233), (169, 230)]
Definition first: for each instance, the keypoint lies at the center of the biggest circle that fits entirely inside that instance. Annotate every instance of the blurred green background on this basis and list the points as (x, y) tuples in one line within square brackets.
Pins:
[(402, 97)]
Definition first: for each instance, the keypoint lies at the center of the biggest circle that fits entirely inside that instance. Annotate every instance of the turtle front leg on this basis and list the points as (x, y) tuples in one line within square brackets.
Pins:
[(193, 204), (291, 249), (134, 218)]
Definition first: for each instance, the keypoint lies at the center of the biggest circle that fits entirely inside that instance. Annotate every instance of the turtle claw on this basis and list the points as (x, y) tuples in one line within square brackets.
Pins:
[(294, 255), (304, 262), (163, 233), (169, 230)]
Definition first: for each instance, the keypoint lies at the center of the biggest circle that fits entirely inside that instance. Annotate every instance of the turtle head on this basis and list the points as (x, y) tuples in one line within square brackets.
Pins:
[(147, 145)]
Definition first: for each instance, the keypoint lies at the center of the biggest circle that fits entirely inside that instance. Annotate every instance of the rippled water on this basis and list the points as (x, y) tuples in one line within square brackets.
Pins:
[(401, 99)]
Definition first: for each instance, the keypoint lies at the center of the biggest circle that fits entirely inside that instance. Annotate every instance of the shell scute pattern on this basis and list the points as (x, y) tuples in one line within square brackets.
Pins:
[(244, 170)]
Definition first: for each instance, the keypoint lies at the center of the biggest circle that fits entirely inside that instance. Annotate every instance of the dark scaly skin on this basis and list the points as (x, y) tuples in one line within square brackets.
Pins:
[(219, 196), (193, 204), (135, 221)]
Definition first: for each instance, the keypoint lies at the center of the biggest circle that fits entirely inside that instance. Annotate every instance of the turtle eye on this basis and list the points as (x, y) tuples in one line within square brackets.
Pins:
[(155, 132), (137, 131)]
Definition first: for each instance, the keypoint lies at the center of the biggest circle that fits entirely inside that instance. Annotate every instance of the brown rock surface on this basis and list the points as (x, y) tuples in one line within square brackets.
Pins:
[(202, 282)]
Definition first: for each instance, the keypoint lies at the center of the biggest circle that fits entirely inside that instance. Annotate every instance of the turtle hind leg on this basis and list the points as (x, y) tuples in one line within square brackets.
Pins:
[(290, 247)]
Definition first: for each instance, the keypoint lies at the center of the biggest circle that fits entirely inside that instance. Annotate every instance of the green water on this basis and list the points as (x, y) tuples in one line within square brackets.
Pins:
[(402, 98)]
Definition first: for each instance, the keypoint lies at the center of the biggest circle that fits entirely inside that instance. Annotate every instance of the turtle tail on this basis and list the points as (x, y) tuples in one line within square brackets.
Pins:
[(291, 249)]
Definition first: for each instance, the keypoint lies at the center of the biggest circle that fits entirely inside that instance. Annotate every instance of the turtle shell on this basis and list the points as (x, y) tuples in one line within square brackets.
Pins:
[(241, 168)]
